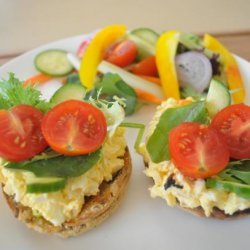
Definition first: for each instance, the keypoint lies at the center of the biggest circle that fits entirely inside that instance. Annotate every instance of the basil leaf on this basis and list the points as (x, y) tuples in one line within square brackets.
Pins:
[(61, 166), (113, 85), (157, 144)]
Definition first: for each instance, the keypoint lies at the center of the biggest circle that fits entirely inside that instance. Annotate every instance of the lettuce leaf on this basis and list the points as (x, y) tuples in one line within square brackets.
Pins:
[(112, 85), (12, 93)]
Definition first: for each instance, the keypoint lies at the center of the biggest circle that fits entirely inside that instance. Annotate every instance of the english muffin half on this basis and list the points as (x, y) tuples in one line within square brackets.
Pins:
[(94, 211)]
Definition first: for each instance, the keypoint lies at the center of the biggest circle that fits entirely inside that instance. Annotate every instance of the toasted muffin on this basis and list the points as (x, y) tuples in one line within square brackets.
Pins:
[(189, 194), (83, 203), (215, 213), (95, 209)]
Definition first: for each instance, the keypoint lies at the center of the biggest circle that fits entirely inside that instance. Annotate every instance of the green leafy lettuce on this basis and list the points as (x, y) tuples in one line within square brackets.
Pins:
[(13, 93), (112, 85), (234, 178), (237, 171)]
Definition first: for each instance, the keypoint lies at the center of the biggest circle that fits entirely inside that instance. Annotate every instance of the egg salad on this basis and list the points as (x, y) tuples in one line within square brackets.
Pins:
[(64, 205), (177, 189)]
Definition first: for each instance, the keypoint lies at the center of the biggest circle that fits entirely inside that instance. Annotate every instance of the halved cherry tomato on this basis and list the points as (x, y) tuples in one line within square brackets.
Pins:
[(74, 128), (233, 122), (20, 133), (197, 150), (121, 53), (146, 67)]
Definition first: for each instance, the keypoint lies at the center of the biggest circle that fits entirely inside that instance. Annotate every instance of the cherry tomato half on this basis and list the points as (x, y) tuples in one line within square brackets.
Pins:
[(233, 122), (197, 150), (20, 133), (121, 53), (146, 67), (74, 128)]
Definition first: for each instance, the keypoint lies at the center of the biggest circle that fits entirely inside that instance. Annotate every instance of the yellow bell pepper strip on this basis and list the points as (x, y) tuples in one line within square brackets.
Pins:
[(165, 60), (229, 66), (93, 54)]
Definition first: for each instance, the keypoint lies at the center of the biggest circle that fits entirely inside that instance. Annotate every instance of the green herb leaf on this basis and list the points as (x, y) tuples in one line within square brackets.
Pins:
[(13, 93), (237, 171), (113, 85), (157, 144), (60, 166)]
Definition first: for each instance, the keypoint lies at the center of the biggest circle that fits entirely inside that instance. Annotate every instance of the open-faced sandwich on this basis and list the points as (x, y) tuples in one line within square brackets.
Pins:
[(197, 150), (198, 163), (64, 163)]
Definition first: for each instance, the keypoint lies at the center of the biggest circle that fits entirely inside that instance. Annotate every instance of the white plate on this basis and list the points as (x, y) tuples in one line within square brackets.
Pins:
[(140, 222)]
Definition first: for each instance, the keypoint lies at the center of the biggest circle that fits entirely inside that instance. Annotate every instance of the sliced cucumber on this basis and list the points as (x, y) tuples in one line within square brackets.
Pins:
[(146, 34), (145, 48), (68, 91), (218, 97), (191, 41), (44, 184), (242, 190), (53, 62), (194, 42)]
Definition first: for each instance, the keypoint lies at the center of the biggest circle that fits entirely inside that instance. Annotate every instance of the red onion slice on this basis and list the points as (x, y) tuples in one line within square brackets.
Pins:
[(193, 70)]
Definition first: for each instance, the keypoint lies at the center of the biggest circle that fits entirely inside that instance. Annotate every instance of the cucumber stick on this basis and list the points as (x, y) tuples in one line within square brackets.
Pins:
[(131, 79), (45, 184), (53, 62), (70, 91), (218, 97)]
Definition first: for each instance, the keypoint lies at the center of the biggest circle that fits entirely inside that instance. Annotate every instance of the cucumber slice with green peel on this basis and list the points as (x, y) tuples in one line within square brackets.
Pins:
[(53, 62), (45, 185), (218, 97), (242, 190), (145, 49), (131, 79), (146, 34), (68, 91)]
